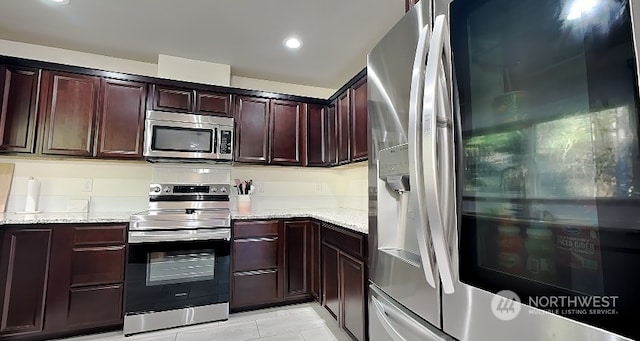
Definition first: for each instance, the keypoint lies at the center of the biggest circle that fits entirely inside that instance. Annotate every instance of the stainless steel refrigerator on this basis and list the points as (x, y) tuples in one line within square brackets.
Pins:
[(504, 172)]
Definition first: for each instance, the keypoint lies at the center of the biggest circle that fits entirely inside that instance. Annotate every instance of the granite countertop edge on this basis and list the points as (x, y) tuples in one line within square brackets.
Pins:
[(350, 219)]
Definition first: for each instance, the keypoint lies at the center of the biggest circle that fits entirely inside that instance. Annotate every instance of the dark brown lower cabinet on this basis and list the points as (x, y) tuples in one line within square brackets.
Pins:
[(252, 288), (256, 264), (352, 290), (24, 266), (330, 280), (274, 261), (67, 278), (344, 274)]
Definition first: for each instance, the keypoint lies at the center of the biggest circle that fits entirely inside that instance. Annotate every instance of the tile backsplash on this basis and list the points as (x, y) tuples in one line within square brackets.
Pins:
[(117, 186)]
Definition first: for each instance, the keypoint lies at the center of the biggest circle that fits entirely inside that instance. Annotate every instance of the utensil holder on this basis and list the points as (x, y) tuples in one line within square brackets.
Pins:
[(244, 203)]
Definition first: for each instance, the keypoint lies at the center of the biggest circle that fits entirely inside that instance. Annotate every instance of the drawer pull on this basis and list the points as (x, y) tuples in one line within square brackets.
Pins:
[(255, 272), (251, 240)]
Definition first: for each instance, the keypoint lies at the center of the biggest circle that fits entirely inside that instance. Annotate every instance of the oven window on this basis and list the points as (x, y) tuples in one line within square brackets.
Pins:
[(180, 266), (182, 139)]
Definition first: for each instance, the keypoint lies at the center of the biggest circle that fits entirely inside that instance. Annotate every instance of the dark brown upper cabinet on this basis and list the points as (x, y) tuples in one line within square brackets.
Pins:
[(121, 119), (343, 107), (359, 131), (18, 108), (269, 131), (68, 112), (209, 103), (252, 133), (172, 99), (286, 129), (332, 133), (165, 98), (408, 4), (317, 144)]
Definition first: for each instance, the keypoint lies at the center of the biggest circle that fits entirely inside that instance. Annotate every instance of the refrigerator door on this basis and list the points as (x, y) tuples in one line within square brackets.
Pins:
[(391, 321), (548, 170), (401, 256)]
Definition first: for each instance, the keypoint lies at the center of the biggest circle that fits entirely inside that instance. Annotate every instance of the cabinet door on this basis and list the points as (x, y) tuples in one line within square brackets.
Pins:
[(121, 119), (19, 94), (172, 99), (315, 259), (352, 286), (285, 128), (69, 113), (342, 111), (317, 135), (209, 103), (252, 288), (252, 118), (330, 280), (24, 265), (297, 265), (359, 130), (332, 134)]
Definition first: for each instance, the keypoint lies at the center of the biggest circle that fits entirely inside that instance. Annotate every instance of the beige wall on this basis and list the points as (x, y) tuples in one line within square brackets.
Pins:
[(196, 71), (55, 55), (169, 67), (115, 185), (119, 186), (285, 88)]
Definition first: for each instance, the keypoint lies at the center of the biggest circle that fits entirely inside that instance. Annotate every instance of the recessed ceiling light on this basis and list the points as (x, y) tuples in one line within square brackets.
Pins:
[(292, 43), (60, 2)]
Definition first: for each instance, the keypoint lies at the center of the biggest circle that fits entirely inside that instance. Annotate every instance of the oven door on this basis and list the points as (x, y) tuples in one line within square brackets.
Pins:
[(176, 274)]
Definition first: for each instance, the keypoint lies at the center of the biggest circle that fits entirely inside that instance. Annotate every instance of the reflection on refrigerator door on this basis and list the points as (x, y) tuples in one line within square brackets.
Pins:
[(391, 321)]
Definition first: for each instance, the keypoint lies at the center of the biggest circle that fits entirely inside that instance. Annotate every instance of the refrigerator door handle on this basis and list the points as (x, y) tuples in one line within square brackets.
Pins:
[(437, 117), (415, 167), (394, 320)]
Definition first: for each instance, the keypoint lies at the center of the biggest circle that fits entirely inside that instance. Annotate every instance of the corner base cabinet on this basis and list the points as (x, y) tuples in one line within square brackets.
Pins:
[(54, 278), (344, 275)]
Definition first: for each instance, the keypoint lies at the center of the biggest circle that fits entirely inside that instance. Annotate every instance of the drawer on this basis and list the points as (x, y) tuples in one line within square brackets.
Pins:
[(243, 229), (100, 235), (349, 242), (99, 265), (255, 253), (95, 306), (254, 288)]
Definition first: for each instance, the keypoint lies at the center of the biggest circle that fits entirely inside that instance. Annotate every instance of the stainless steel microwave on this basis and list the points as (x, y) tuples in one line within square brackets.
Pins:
[(182, 137)]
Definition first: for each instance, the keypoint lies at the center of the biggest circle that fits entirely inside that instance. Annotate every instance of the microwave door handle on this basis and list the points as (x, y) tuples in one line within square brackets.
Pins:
[(417, 192), (437, 119), (215, 140)]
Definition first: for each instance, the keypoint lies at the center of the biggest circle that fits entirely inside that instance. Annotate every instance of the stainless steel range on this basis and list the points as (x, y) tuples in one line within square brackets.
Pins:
[(178, 263)]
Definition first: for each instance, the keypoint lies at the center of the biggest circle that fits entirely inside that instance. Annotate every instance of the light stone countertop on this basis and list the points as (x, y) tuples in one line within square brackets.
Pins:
[(64, 218), (351, 219)]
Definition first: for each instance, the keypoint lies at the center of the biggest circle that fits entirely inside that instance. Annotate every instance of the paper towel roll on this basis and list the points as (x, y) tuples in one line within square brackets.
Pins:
[(33, 192)]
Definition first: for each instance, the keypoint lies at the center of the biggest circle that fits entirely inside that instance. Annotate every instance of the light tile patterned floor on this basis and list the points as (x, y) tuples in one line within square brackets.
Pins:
[(299, 322)]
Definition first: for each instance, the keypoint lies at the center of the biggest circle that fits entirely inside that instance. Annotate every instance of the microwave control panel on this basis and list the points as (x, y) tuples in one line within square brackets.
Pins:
[(225, 141)]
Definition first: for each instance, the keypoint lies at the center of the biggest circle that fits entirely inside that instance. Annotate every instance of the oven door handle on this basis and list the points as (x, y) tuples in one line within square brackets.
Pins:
[(137, 237)]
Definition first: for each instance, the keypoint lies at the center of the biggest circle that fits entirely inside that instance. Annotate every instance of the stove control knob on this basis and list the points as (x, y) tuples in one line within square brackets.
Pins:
[(213, 189), (223, 189), (167, 189), (157, 189)]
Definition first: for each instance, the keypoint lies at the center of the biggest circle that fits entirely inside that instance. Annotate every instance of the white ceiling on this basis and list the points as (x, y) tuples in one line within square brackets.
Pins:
[(246, 34)]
